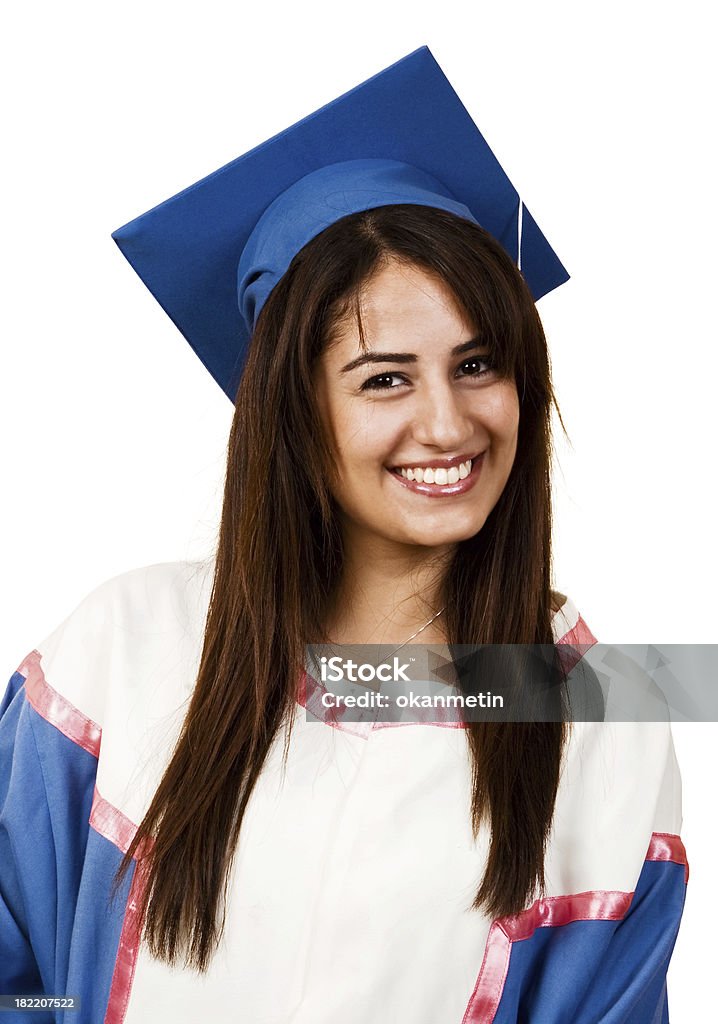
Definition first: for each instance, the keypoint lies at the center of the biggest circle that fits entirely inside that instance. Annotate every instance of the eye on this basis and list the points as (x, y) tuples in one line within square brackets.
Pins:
[(382, 382), (474, 365)]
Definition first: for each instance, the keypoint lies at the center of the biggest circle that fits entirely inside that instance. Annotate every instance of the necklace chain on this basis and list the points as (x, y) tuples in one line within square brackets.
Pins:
[(420, 630)]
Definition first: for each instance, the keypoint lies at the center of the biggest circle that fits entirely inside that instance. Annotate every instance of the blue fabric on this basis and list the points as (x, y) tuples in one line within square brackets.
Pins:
[(608, 971), (58, 934), (187, 250), (318, 200), (96, 931)]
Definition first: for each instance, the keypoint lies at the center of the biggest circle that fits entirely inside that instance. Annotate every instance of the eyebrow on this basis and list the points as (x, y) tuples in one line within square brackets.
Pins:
[(404, 357)]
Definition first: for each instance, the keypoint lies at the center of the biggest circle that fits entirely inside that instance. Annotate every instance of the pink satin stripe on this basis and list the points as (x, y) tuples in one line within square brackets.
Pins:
[(310, 690), (489, 986), (111, 823), (439, 725), (553, 911), (126, 961), (309, 696), (107, 820), (666, 846), (576, 642), (580, 634), (56, 709)]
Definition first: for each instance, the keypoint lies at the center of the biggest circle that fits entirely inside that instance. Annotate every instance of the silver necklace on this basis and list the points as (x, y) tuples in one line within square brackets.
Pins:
[(420, 630)]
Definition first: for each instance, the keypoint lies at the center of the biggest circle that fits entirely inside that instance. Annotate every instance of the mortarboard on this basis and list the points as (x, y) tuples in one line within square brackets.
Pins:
[(212, 254)]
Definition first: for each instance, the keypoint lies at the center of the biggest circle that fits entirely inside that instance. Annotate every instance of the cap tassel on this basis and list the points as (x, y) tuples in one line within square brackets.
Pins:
[(521, 225)]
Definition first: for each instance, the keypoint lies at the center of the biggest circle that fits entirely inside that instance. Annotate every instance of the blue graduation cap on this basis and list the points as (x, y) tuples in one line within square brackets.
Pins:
[(212, 254)]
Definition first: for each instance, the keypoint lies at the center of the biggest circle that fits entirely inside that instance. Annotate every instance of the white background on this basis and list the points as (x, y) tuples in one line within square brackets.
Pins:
[(113, 434)]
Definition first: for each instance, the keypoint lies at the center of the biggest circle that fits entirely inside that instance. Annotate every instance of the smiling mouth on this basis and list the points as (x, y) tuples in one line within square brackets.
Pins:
[(453, 477), (436, 474)]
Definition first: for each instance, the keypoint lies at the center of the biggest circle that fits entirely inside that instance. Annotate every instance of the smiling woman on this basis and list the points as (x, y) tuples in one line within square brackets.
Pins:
[(201, 843), (445, 403), (433, 428)]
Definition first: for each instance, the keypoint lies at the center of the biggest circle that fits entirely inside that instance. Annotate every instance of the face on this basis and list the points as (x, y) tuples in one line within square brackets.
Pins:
[(423, 431)]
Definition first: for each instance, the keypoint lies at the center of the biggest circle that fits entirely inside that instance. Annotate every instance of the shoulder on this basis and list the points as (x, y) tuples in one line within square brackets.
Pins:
[(568, 624), (127, 627), (620, 779), (115, 677), (134, 595)]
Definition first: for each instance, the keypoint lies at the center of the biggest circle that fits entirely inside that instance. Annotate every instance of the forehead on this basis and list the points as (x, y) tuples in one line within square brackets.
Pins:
[(402, 301)]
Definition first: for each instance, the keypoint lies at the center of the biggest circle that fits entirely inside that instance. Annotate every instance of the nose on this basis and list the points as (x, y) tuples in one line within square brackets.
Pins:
[(441, 419)]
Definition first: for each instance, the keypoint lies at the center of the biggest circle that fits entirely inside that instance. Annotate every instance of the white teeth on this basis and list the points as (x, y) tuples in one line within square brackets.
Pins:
[(438, 476)]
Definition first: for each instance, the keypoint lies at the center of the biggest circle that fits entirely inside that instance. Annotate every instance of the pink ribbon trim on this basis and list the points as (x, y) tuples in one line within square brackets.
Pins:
[(552, 912), (105, 819), (127, 950), (309, 691), (56, 709), (666, 846), (580, 635), (575, 644), (111, 823)]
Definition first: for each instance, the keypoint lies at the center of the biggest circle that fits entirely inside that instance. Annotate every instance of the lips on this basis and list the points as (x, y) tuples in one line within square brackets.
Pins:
[(433, 490), (455, 460)]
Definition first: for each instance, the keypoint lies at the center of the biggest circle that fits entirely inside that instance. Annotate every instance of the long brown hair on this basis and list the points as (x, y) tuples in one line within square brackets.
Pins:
[(279, 560)]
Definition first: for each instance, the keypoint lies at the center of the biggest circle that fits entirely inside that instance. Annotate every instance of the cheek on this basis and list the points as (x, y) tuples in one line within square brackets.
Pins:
[(501, 416), (365, 435), (341, 427)]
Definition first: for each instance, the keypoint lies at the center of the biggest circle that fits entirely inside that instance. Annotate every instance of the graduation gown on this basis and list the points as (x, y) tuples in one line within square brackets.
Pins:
[(350, 893)]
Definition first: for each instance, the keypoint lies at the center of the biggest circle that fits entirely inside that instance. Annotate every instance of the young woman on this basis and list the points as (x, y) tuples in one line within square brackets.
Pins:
[(179, 838)]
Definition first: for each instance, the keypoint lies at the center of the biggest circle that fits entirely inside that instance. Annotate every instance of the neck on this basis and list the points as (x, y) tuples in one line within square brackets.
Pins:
[(387, 592)]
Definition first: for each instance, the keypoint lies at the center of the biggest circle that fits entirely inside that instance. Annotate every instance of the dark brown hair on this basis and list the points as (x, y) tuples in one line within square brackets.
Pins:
[(279, 559)]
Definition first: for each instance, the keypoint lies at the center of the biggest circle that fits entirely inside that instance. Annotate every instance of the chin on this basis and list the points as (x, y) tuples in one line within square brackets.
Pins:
[(436, 536)]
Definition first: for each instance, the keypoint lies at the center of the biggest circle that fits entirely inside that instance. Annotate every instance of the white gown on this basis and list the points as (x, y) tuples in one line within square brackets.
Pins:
[(350, 894)]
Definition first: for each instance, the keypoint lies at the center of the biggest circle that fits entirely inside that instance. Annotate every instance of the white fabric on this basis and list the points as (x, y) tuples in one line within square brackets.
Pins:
[(351, 890)]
